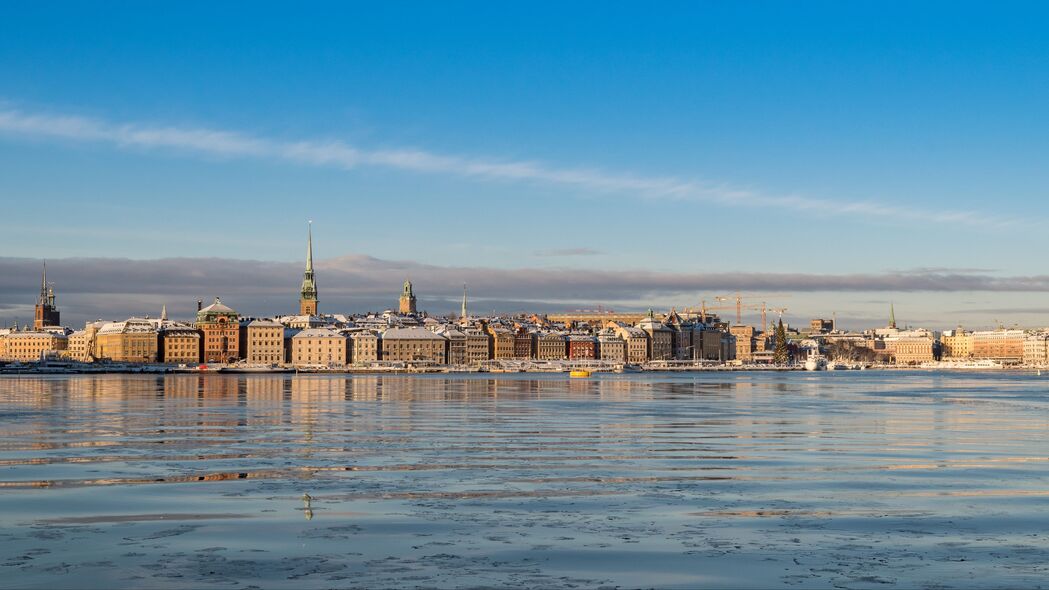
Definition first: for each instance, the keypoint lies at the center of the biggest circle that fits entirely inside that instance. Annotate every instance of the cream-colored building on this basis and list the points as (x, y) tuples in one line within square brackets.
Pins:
[(477, 347), (413, 344), (131, 341), (31, 346), (79, 346), (957, 344), (636, 342), (318, 347), (263, 342), (660, 338), (550, 346), (914, 351), (179, 344), (1036, 349), (610, 347), (364, 347), (745, 342)]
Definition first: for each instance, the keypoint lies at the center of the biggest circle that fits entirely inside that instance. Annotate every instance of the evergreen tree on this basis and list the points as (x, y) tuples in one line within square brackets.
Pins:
[(780, 354)]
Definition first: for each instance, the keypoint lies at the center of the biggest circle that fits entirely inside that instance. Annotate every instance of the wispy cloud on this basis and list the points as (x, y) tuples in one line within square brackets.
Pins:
[(923, 270), (339, 154), (569, 252)]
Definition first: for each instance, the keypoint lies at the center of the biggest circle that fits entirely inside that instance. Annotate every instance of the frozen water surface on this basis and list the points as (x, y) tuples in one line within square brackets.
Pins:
[(844, 479)]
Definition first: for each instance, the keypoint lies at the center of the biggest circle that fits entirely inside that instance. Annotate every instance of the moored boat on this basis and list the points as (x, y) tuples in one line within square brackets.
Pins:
[(815, 362)]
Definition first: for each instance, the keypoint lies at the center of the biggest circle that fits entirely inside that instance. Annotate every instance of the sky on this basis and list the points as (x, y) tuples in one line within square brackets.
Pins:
[(827, 158)]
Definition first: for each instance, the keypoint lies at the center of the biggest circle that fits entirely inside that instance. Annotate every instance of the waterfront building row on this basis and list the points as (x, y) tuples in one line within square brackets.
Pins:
[(220, 335)]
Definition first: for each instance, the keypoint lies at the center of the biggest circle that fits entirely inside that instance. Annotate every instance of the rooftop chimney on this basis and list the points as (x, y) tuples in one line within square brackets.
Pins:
[(200, 304)]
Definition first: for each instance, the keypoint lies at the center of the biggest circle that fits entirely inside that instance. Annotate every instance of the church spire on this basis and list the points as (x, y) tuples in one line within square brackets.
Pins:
[(462, 314), (892, 316), (164, 313), (308, 294), (45, 313), (43, 285), (309, 247)]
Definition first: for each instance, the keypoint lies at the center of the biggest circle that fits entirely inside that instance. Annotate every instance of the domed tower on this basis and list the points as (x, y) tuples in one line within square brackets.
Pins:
[(220, 327)]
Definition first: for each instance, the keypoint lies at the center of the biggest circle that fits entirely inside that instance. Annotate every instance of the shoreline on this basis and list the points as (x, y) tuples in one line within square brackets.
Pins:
[(168, 370)]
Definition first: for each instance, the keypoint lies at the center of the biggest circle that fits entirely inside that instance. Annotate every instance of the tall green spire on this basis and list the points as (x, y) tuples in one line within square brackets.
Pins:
[(309, 285), (892, 316), (309, 247)]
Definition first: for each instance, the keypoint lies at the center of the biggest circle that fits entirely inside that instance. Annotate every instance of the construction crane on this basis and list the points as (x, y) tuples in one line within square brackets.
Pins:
[(736, 303), (704, 308)]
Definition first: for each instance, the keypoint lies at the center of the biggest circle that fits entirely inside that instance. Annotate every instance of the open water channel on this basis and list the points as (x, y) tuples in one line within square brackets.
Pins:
[(844, 479)]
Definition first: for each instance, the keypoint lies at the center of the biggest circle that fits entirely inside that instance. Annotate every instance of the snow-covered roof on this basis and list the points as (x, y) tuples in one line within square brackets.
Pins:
[(36, 335), (412, 333), (218, 307), (128, 326), (318, 333)]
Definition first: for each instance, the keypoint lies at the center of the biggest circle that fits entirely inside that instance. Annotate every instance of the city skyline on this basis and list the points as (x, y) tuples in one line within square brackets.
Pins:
[(361, 286), (866, 150)]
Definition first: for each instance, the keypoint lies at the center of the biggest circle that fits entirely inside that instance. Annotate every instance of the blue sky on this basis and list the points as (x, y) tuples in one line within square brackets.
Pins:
[(611, 136)]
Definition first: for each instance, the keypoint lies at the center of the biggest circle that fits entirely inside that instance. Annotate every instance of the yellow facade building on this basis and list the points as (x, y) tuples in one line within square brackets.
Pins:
[(263, 342), (32, 346), (501, 342), (913, 351), (179, 345), (957, 344), (319, 347), (80, 346), (131, 341)]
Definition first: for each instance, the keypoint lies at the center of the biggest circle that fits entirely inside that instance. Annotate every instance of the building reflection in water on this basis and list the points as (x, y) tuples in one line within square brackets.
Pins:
[(188, 411)]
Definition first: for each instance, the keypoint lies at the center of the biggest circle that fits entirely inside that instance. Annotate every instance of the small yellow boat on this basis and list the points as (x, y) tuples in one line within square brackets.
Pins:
[(579, 373)]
